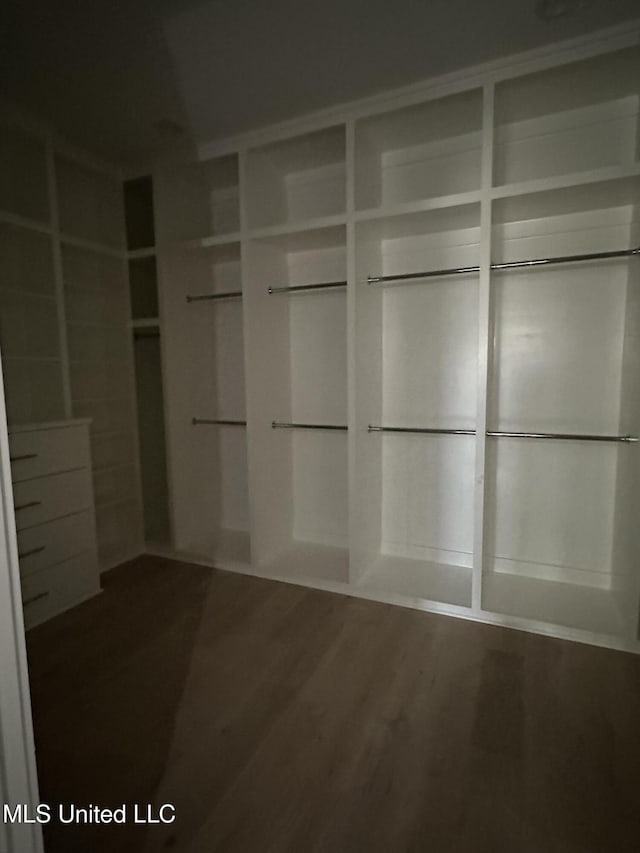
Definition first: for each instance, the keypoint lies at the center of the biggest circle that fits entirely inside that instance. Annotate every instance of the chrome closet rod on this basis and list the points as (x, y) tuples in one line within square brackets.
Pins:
[(507, 265), (216, 422), (205, 297), (421, 431), (299, 287), (563, 436), (286, 425)]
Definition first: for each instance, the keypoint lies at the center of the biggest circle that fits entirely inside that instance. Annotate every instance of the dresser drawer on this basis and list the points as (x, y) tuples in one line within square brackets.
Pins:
[(37, 501), (46, 593), (48, 544), (35, 453)]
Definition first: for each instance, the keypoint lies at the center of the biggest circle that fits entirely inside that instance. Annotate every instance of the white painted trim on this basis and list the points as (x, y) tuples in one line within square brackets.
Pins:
[(484, 345), (18, 776)]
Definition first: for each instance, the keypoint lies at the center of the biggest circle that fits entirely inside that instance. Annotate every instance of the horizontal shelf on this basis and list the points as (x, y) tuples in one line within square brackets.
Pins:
[(28, 294), (136, 254), (210, 242), (91, 246), (574, 179), (419, 579), (565, 605), (309, 561), (25, 222), (298, 227), (424, 205)]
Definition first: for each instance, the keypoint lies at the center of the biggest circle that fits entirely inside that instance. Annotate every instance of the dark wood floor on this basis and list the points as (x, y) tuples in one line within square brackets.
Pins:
[(282, 719)]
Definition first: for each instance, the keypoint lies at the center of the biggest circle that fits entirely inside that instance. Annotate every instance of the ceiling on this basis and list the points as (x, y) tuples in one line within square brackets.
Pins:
[(127, 78)]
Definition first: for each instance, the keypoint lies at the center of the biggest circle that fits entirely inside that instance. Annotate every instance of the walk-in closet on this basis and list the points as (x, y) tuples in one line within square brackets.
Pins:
[(320, 478), (390, 350)]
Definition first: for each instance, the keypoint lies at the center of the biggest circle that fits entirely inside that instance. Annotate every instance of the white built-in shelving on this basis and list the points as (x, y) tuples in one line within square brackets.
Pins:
[(427, 348), (63, 313), (337, 349)]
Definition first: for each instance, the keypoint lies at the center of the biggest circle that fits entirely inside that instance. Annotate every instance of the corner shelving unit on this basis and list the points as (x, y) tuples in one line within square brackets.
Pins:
[(96, 304)]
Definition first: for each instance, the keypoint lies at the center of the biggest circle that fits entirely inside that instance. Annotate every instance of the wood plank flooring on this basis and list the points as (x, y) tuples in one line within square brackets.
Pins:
[(284, 720)]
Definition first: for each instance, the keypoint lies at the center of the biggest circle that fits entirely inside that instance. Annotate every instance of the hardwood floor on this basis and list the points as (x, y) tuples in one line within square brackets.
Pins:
[(278, 718)]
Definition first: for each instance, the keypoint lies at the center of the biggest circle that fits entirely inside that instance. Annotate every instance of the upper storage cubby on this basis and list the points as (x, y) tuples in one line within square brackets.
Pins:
[(138, 203), (297, 180), (575, 118), (420, 152), (89, 203), (24, 188), (198, 200)]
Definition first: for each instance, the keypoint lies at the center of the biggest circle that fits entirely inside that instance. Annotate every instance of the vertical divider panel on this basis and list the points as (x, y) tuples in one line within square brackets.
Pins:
[(243, 215), (134, 394), (484, 343), (266, 342), (59, 279), (351, 344), (157, 179)]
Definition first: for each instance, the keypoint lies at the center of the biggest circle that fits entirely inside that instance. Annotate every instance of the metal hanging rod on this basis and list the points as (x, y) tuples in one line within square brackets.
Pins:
[(216, 422), (425, 431), (507, 265), (563, 436), (206, 297), (285, 425), (300, 287)]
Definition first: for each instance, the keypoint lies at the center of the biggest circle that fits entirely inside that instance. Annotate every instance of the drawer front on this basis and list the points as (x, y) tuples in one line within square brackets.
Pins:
[(47, 451), (55, 589), (48, 544), (37, 501)]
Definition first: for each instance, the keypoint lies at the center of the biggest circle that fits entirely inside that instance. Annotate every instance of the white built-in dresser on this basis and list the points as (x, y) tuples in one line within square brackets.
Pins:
[(55, 516)]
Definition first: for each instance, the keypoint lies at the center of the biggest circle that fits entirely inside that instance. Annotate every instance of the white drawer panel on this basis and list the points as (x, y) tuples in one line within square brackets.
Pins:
[(40, 452), (44, 499), (55, 589), (48, 544)]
